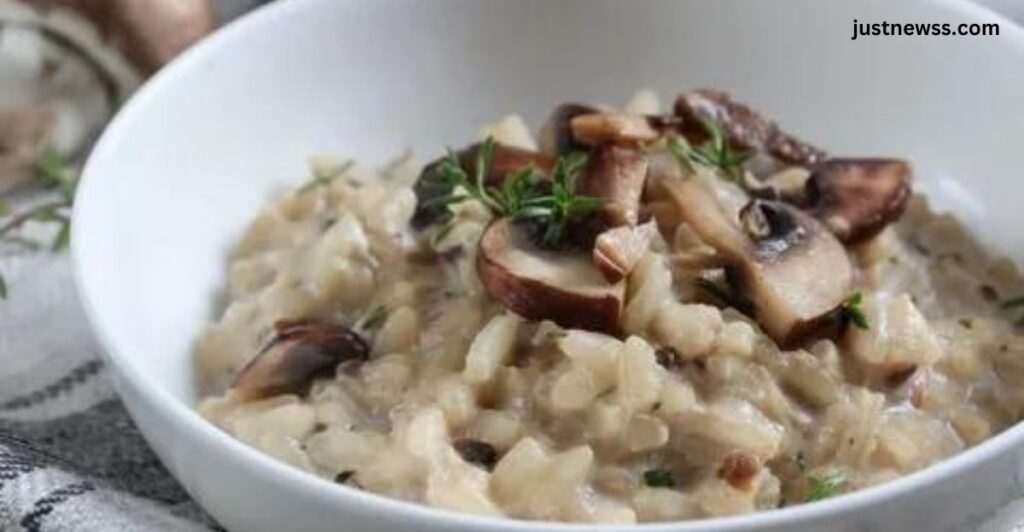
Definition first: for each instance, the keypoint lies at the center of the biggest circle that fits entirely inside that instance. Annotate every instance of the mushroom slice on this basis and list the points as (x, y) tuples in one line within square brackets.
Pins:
[(618, 250), (743, 127), (504, 161), (538, 284), (790, 267), (857, 198), (300, 351), (556, 135), (598, 129), (616, 174)]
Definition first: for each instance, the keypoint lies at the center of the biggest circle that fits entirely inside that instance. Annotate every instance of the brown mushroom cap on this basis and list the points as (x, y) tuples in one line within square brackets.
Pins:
[(504, 161), (597, 129), (616, 174), (743, 127), (538, 284), (300, 351), (790, 267), (556, 134), (857, 198)]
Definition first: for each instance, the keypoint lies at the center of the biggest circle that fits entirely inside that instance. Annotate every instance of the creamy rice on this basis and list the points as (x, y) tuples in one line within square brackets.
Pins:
[(692, 411)]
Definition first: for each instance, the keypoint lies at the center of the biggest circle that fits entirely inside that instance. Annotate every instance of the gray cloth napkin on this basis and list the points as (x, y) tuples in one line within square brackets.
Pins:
[(70, 457)]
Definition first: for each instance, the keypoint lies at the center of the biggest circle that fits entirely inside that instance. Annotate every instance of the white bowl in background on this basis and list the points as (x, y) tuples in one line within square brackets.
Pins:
[(211, 138)]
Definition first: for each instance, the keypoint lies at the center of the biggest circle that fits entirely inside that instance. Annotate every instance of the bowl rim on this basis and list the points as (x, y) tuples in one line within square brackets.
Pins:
[(308, 484)]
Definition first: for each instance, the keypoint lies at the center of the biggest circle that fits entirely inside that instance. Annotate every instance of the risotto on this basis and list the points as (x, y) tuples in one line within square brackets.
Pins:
[(636, 315)]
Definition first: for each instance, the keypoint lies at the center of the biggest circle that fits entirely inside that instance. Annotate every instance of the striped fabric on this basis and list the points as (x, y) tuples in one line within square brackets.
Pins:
[(70, 458)]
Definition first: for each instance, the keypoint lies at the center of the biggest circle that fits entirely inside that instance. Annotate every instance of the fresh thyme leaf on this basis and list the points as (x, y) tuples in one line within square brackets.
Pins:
[(659, 478), (372, 319), (564, 204), (441, 232), (826, 486), (851, 311), (63, 236), (54, 171), (1013, 302), (726, 296), (716, 152), (523, 195), (26, 243), (444, 201)]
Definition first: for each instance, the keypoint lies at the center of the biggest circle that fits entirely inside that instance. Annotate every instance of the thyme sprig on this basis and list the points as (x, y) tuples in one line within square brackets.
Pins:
[(54, 172), (716, 152), (659, 478), (824, 487), (525, 195), (851, 310)]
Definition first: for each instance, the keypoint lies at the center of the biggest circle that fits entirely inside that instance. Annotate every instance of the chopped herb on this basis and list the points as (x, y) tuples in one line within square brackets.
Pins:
[(372, 319), (966, 324), (344, 476), (556, 210), (851, 311), (524, 196), (716, 152), (823, 487), (441, 232), (659, 478), (53, 171), (1013, 302), (725, 295)]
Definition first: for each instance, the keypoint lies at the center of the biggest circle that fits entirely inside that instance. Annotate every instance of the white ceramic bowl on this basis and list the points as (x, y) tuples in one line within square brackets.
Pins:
[(194, 155)]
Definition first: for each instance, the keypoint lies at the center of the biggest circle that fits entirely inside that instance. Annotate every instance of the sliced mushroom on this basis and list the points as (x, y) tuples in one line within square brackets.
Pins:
[(556, 135), (504, 161), (616, 174), (790, 267), (598, 129), (743, 127), (618, 250), (788, 184), (538, 284), (300, 351), (857, 198)]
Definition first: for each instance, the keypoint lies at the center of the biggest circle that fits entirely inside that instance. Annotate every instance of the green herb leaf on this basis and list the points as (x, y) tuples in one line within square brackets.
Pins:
[(63, 237), (716, 152), (3, 287), (54, 171), (373, 318), (851, 311), (1013, 302), (726, 295), (826, 486), (659, 478), (441, 232), (523, 195)]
